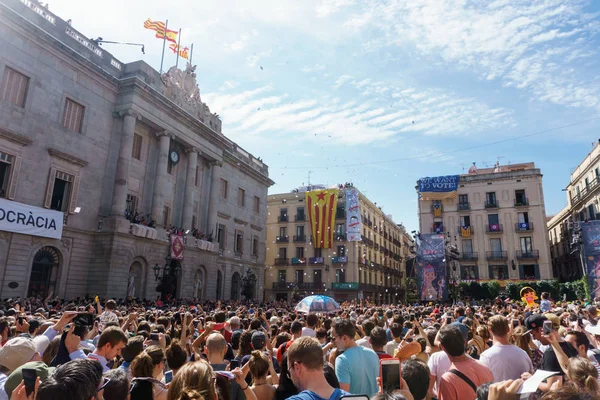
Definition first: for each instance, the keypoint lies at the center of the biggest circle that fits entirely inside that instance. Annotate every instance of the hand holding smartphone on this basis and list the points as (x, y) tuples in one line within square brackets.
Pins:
[(390, 373), (29, 378)]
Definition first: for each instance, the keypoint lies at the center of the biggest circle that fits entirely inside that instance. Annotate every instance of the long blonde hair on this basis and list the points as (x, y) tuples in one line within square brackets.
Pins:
[(191, 380), (520, 339), (582, 371)]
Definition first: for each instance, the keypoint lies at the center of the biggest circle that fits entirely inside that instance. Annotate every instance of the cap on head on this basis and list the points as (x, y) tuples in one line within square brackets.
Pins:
[(17, 352)]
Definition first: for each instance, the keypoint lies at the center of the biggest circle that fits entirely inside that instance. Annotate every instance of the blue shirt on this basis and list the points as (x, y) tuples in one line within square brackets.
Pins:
[(545, 305), (309, 395), (359, 367)]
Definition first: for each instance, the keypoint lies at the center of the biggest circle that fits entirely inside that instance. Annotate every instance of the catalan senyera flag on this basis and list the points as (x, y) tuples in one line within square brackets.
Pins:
[(437, 210), (321, 206), (465, 231), (159, 27), (183, 51)]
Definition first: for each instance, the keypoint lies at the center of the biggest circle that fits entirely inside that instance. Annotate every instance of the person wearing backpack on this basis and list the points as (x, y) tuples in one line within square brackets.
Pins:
[(465, 373)]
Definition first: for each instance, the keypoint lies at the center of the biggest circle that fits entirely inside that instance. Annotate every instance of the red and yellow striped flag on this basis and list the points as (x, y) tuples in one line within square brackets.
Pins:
[(183, 51), (321, 206), (159, 27)]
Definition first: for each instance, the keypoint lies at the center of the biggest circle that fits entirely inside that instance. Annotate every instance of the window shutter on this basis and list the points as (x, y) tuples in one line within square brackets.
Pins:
[(490, 272), (537, 271), (462, 271), (12, 189), (477, 272), (50, 188), (74, 193), (521, 273)]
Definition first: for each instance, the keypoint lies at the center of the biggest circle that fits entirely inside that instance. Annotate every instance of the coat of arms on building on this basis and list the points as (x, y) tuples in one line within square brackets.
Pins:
[(181, 87)]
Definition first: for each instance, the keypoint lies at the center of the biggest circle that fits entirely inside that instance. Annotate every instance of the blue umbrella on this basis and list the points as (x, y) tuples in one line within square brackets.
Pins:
[(317, 303)]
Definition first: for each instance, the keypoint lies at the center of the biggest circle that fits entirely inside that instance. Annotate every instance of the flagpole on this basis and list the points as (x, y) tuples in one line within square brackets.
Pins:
[(164, 43), (178, 41), (191, 53)]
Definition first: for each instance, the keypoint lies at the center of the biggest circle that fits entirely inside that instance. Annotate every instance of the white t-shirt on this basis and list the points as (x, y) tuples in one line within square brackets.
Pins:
[(438, 364), (390, 347), (308, 332), (364, 342), (506, 361)]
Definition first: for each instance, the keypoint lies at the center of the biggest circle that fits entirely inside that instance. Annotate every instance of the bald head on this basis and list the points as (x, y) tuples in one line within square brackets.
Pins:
[(216, 343)]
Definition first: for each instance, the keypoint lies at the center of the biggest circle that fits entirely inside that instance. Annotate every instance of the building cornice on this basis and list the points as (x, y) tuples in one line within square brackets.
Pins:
[(15, 137), (248, 170), (134, 85), (67, 157), (223, 215)]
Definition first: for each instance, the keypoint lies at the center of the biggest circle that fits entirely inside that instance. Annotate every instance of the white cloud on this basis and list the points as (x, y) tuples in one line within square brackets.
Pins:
[(262, 114), (509, 40), (327, 7), (314, 68), (341, 81)]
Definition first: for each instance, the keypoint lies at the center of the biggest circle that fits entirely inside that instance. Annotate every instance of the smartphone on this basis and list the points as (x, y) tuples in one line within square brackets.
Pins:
[(20, 320), (168, 376), (154, 336), (390, 374), (29, 377), (448, 320), (580, 321), (411, 317), (515, 323), (84, 318), (547, 327)]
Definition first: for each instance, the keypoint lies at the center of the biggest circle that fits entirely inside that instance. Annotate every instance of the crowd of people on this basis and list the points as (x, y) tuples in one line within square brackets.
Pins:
[(86, 348)]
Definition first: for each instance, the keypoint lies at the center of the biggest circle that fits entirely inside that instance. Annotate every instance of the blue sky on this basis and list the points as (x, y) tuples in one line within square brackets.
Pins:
[(341, 87)]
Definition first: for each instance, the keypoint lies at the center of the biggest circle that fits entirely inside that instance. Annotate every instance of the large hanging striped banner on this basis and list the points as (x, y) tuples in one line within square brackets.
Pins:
[(321, 206)]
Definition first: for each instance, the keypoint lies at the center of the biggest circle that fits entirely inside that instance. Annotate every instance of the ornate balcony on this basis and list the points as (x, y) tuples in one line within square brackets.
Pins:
[(528, 255), (496, 255)]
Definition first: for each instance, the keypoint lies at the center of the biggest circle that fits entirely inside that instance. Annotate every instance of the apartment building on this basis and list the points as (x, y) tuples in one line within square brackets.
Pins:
[(372, 268), (498, 223), (583, 196)]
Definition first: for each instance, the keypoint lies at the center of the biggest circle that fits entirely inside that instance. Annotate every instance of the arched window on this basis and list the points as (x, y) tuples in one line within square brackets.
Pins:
[(199, 283), (235, 286), (134, 283), (43, 272)]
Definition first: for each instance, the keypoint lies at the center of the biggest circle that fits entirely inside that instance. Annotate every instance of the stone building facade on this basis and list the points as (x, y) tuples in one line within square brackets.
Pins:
[(583, 204), (373, 268), (87, 135), (497, 222)]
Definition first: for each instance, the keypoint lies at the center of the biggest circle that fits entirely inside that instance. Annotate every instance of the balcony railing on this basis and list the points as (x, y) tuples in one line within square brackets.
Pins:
[(299, 238), (521, 202), (300, 217), (282, 261), (528, 255), (316, 260), (463, 207), (340, 237), (496, 255), (588, 189), (437, 207), (282, 239), (469, 256), (491, 204), (339, 260), (298, 286), (298, 260), (493, 228), (344, 285), (460, 231), (524, 227), (283, 218)]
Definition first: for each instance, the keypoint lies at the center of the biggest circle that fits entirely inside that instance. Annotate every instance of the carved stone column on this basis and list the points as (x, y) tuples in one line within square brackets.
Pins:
[(190, 185), (213, 199), (122, 173), (158, 197)]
